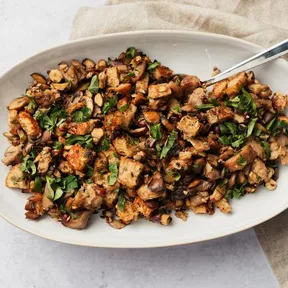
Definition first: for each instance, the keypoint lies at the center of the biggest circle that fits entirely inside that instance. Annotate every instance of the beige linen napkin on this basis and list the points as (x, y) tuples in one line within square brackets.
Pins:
[(261, 22)]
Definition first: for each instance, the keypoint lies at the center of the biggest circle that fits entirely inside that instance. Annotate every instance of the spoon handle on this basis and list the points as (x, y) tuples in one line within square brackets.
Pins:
[(252, 62)]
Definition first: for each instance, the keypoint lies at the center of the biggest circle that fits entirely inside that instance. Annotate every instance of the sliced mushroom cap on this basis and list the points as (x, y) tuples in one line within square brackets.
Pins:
[(55, 75), (13, 155), (79, 222), (38, 78), (139, 70), (156, 183), (18, 103)]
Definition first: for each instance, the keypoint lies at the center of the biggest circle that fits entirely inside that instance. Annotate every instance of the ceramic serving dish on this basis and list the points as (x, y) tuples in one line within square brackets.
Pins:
[(184, 52)]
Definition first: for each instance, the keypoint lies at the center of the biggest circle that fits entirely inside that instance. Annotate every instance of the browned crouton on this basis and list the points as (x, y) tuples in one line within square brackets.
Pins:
[(219, 114), (129, 172), (29, 124), (159, 91), (243, 158), (78, 157), (189, 125)]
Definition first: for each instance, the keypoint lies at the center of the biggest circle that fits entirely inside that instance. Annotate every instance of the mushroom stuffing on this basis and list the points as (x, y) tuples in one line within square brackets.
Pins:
[(129, 139)]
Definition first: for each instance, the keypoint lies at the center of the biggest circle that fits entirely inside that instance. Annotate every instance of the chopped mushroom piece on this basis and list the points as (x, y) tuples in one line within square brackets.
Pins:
[(97, 134), (13, 155), (223, 205), (18, 103), (43, 159), (189, 84), (78, 222), (16, 178)]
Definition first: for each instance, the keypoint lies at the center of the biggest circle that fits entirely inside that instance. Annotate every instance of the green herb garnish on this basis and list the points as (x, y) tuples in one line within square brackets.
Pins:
[(109, 104), (27, 164), (104, 145), (266, 147), (123, 108), (121, 201), (155, 131), (169, 144), (81, 115), (177, 109), (85, 140), (251, 126), (57, 145), (94, 85), (130, 52), (152, 66), (242, 161), (236, 191), (38, 184), (205, 106), (175, 175), (51, 118), (114, 174)]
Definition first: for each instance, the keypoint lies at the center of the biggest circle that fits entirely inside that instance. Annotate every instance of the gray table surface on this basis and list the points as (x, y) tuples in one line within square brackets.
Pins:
[(28, 261)]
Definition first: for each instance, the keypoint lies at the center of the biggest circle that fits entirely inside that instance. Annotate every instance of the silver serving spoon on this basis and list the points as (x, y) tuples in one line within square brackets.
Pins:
[(252, 62)]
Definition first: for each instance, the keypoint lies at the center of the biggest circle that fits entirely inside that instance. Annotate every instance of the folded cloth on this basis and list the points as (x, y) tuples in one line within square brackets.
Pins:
[(261, 22)]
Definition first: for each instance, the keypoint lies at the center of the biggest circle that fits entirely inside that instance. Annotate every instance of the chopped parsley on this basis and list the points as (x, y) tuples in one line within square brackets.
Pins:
[(205, 106), (27, 164), (50, 118), (85, 140), (236, 191), (266, 147), (243, 103), (242, 161), (38, 184), (104, 144), (121, 201), (57, 186), (130, 53), (112, 179), (123, 108), (169, 144), (155, 131), (153, 65), (81, 115), (109, 104), (177, 109), (94, 85)]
